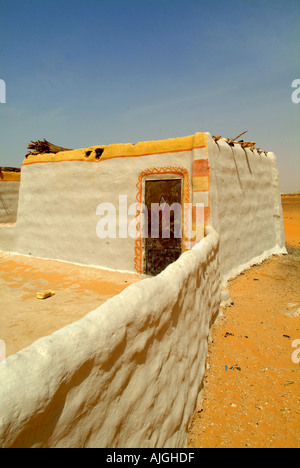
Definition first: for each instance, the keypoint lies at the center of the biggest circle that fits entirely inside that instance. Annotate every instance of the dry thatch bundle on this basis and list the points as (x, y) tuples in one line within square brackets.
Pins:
[(242, 143), (9, 169), (39, 147)]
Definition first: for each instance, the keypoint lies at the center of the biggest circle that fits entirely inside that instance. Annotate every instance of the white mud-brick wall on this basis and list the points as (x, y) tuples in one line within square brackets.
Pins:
[(9, 196), (245, 205), (126, 375), (9, 201), (59, 201), (61, 193)]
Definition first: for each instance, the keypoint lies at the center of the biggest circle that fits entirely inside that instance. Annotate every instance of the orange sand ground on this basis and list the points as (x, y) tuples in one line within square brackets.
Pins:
[(291, 218), (78, 290), (254, 401)]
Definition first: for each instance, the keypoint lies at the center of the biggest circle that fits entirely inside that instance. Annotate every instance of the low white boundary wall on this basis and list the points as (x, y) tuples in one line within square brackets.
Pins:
[(126, 375)]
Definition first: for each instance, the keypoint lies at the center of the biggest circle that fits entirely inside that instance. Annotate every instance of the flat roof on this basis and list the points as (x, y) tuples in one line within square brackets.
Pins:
[(122, 150)]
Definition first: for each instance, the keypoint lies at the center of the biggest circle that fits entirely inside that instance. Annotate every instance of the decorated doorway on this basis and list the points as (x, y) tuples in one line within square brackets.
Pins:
[(163, 243)]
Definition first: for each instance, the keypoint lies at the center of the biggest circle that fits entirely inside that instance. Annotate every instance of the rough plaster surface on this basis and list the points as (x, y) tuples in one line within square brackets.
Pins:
[(8, 236), (58, 202), (246, 207), (126, 375), (57, 215), (9, 196)]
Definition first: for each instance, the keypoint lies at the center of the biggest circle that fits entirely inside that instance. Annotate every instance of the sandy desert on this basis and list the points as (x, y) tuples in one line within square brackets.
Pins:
[(251, 390)]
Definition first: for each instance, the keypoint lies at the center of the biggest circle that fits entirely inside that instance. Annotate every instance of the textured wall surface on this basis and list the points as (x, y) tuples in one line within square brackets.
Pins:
[(245, 205), (57, 215), (9, 196), (126, 375), (60, 194), (8, 237), (201, 191)]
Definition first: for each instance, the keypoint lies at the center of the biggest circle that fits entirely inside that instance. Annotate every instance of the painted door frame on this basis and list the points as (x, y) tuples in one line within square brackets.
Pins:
[(158, 177), (158, 173)]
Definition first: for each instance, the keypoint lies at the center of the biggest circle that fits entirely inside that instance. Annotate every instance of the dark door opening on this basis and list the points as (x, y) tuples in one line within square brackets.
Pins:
[(162, 247)]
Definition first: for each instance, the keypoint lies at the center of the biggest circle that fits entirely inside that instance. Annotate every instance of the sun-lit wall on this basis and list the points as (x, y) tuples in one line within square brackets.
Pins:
[(126, 375), (60, 194), (9, 196), (245, 205)]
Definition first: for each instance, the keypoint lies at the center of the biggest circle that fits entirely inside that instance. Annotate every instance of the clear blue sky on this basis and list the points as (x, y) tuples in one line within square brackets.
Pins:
[(82, 73)]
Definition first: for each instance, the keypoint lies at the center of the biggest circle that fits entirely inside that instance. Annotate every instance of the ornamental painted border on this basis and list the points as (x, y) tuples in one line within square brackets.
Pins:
[(138, 248)]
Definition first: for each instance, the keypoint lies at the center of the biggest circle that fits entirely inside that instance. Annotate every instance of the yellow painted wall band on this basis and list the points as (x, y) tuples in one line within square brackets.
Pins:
[(147, 148), (7, 176)]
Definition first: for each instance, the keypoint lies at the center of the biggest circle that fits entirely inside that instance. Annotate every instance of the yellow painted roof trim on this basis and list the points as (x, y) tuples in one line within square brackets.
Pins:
[(122, 150), (8, 176)]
